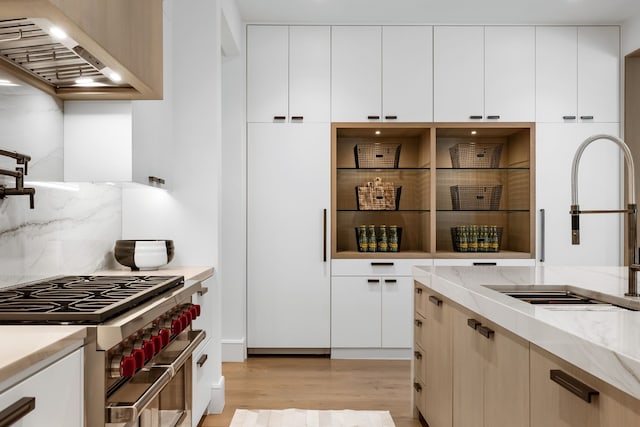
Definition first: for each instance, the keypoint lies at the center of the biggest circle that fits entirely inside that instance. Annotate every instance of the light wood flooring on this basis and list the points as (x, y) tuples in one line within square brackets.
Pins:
[(317, 383)]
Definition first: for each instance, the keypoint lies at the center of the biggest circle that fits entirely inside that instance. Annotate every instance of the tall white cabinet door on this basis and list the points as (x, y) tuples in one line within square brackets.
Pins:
[(556, 74), (407, 73), (599, 187), (288, 278), (458, 76), (599, 73), (509, 73), (267, 73), (397, 312), (310, 73), (356, 72), (356, 312)]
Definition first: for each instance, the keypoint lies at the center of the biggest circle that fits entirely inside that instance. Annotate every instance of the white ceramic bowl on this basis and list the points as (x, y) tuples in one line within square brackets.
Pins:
[(143, 254)]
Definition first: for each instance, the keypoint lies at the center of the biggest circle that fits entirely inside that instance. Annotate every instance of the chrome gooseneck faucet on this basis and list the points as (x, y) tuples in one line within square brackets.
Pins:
[(631, 211)]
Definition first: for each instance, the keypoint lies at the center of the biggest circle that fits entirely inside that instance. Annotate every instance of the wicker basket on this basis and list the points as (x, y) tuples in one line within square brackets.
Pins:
[(378, 155), (475, 155), (378, 198), (475, 197), (482, 237)]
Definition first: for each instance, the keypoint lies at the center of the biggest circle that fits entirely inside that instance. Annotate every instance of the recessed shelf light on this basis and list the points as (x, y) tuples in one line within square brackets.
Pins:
[(473, 132), (378, 132)]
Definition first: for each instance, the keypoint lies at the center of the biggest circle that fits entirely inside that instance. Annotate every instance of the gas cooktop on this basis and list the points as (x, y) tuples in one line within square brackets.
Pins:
[(80, 299)]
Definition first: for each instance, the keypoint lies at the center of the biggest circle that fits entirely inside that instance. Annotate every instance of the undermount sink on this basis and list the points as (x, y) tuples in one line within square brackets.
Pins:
[(566, 297)]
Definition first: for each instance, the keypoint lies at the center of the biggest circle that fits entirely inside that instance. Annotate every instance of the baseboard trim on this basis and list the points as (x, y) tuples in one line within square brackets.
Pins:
[(372, 353), (234, 350), (216, 405)]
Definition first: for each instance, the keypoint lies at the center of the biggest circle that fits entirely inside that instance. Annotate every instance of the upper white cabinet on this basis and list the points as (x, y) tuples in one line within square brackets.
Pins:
[(577, 74), (484, 73), (381, 73), (288, 73)]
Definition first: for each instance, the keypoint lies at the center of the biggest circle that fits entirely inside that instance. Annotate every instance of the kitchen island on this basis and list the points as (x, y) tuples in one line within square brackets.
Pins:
[(603, 342)]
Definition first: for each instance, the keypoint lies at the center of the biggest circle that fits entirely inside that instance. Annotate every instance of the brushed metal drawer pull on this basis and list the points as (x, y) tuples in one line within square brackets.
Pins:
[(16, 411), (419, 291), (418, 355), (418, 323), (381, 264), (572, 384), (418, 387), (435, 300), (203, 291), (202, 360), (473, 323), (485, 331)]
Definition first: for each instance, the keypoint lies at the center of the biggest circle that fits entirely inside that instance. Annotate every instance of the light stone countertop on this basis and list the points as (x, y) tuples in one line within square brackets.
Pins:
[(604, 343), (27, 349)]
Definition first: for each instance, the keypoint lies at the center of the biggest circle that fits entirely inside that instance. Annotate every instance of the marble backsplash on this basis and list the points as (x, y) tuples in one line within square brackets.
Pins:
[(72, 230)]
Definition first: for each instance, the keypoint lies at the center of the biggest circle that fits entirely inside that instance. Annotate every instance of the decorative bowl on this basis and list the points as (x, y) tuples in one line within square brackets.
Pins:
[(143, 254)]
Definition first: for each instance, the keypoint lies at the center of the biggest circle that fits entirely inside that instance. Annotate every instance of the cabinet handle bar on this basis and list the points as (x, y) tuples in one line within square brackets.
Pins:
[(475, 117), (486, 332), (568, 117), (473, 323), (493, 117), (573, 385), (202, 360), (485, 263), (16, 411), (435, 300), (586, 117), (324, 235), (381, 264)]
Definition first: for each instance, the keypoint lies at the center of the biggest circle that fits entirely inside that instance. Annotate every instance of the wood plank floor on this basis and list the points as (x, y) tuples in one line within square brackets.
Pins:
[(317, 383)]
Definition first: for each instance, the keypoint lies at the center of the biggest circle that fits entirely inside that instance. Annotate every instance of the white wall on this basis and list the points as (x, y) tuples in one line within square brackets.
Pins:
[(630, 36)]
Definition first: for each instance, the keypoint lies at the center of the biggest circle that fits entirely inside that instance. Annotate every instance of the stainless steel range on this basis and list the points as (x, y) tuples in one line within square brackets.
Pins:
[(139, 346)]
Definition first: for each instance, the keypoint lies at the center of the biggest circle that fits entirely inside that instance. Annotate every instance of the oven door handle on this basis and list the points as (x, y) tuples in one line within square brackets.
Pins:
[(127, 412), (195, 338)]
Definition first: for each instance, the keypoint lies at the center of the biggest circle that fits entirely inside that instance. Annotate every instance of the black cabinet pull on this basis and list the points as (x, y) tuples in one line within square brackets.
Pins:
[(572, 384), (373, 117), (418, 387), (417, 355), (435, 300), (391, 117), (279, 117), (381, 264), (418, 323), (390, 281), (202, 360), (324, 235), (568, 117), (485, 263), (373, 280), (16, 411), (586, 117), (419, 291), (156, 180), (297, 117), (473, 323), (493, 117), (475, 117), (486, 332)]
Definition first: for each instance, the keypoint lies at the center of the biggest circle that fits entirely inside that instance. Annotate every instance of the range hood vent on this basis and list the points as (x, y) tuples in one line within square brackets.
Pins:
[(27, 44)]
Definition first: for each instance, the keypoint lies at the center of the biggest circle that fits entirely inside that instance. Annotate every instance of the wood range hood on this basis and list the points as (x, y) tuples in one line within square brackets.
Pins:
[(103, 37)]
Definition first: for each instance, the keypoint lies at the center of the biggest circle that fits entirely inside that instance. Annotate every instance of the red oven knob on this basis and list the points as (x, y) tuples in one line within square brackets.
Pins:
[(194, 312), (157, 343), (165, 334), (176, 326), (197, 307), (149, 349), (185, 320), (138, 356), (127, 366)]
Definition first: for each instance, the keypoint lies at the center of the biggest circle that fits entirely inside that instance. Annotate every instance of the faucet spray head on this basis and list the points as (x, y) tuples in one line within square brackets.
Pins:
[(575, 224)]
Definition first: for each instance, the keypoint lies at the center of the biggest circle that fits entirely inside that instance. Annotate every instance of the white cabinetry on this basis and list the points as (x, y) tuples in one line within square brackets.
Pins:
[(58, 391), (381, 73), (203, 368), (288, 277), (288, 73), (99, 140), (371, 308), (577, 74), (599, 188), (484, 73)]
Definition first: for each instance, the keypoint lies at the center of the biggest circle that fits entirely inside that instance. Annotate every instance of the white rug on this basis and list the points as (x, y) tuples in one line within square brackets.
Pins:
[(310, 418)]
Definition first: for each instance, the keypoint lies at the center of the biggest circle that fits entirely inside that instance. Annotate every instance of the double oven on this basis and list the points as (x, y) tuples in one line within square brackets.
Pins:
[(139, 347)]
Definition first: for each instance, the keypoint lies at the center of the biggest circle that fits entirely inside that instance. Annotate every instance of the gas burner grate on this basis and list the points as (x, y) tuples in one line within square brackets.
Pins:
[(80, 299)]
